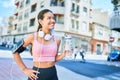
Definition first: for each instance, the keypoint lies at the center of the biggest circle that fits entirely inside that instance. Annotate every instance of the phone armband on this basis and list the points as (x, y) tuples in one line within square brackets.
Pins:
[(19, 47)]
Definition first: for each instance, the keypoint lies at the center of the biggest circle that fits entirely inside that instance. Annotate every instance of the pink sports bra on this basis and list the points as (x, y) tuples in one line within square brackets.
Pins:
[(42, 52)]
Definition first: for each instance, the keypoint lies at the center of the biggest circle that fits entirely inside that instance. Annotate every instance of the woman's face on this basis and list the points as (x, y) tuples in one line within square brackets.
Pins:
[(48, 21)]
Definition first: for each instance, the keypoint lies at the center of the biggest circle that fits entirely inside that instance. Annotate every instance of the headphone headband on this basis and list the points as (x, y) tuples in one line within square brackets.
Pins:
[(45, 36)]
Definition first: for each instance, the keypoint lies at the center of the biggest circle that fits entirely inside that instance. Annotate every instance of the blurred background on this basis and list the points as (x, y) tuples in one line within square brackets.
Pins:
[(93, 24)]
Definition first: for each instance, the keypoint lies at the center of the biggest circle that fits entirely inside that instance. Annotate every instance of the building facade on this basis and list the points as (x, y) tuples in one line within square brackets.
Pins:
[(100, 32), (72, 17), (115, 24), (5, 31)]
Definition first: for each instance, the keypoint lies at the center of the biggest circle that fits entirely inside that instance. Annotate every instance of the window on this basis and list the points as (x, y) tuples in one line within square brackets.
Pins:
[(19, 28), (84, 26), (100, 33), (57, 3), (60, 3), (53, 3), (26, 14), (85, 9), (16, 15), (59, 19), (90, 26), (73, 7), (77, 10), (42, 4), (27, 1), (25, 27), (73, 25), (22, 3), (77, 25), (15, 26), (20, 16), (33, 8), (32, 22)]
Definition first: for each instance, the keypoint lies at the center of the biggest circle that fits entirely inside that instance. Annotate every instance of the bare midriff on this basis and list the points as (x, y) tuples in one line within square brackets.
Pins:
[(44, 64)]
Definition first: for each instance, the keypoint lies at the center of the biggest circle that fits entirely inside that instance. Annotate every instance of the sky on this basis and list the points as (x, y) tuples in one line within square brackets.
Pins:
[(7, 7), (105, 5)]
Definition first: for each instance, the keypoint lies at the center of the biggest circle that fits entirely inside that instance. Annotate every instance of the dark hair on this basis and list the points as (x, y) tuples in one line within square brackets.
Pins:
[(41, 16)]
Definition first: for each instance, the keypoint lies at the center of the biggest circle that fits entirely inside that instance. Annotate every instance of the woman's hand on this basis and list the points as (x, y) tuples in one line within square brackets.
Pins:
[(31, 73)]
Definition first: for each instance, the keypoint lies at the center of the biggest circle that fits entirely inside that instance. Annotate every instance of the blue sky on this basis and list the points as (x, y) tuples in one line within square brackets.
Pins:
[(105, 5), (7, 7)]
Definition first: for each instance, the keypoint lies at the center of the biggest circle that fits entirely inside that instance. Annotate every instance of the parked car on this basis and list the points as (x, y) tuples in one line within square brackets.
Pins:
[(114, 56)]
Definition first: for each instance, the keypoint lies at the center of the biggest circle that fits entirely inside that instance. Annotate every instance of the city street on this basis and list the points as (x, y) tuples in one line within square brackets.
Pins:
[(92, 69), (85, 34)]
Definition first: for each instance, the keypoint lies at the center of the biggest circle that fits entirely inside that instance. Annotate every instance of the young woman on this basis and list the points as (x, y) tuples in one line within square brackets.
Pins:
[(44, 49)]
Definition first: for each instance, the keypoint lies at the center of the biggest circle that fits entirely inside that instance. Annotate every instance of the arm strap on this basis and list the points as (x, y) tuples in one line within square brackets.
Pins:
[(19, 47)]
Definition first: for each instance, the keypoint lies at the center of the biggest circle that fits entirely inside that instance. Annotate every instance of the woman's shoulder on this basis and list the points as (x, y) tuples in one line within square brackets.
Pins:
[(57, 38), (29, 37)]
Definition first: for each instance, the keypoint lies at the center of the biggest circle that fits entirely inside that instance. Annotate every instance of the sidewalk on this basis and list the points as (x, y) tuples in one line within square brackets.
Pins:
[(7, 71), (10, 71), (8, 67)]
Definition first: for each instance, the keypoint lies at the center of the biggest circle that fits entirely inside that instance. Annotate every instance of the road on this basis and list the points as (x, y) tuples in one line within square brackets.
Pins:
[(91, 70)]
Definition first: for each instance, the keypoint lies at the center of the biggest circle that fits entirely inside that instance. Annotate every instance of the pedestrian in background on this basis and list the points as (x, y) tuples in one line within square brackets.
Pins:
[(75, 52), (44, 49), (82, 52)]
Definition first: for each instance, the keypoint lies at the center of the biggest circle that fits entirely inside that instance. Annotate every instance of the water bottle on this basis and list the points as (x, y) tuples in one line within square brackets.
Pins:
[(68, 43)]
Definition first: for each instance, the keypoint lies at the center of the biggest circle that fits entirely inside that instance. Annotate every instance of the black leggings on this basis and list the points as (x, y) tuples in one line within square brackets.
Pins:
[(46, 73)]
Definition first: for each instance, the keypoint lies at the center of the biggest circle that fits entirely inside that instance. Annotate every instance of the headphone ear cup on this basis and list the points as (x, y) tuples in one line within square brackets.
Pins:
[(41, 33), (48, 37)]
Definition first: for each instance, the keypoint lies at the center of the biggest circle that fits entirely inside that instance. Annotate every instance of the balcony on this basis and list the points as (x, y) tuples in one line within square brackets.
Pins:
[(115, 22), (57, 3), (58, 9)]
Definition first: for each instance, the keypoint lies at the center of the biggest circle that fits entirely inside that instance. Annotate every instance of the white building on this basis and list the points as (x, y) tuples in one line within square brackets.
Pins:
[(72, 17), (5, 31), (101, 32)]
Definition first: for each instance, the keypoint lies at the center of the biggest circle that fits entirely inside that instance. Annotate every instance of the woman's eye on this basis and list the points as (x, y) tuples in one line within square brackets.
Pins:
[(51, 18)]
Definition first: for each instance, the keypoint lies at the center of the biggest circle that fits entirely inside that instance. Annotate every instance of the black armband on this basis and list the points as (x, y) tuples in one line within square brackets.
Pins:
[(19, 47)]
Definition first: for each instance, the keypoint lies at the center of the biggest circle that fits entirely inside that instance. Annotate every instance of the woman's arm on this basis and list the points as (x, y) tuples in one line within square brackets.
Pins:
[(19, 61), (17, 56), (62, 55), (59, 57), (29, 72)]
